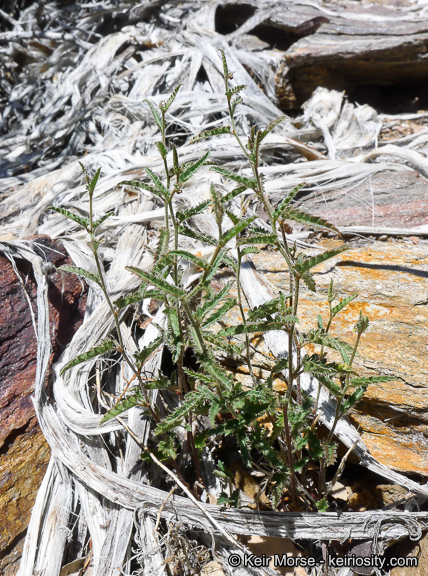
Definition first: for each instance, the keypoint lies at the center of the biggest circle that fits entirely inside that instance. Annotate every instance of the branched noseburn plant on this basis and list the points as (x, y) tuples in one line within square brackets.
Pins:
[(274, 432)]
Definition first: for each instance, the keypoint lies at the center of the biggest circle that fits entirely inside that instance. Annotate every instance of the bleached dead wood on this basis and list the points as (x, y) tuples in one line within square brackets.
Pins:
[(84, 93)]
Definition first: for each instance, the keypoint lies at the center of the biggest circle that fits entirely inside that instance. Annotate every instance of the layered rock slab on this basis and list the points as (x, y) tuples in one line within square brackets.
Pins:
[(24, 454)]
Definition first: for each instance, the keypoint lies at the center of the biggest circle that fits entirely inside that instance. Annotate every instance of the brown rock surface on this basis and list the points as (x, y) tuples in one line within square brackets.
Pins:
[(24, 453)]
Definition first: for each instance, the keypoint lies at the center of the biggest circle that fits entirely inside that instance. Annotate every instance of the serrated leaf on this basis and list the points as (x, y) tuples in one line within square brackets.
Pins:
[(211, 303), (261, 327), (362, 324), (225, 68), (366, 380), (271, 307), (308, 279), (186, 231), (190, 170), (249, 250), (124, 301), (271, 126), (167, 448), (235, 90), (101, 220), (84, 222), (231, 216), (222, 344), (214, 266), (190, 257), (158, 184), (143, 186), (161, 147), (106, 346), (344, 349), (277, 213), (164, 106), (216, 371), (353, 399), (122, 406), (228, 305), (234, 104), (190, 212), (232, 194), (80, 272), (93, 182), (235, 230), (158, 282), (307, 264), (248, 182), (310, 220), (258, 239), (214, 409), (143, 354), (155, 113), (336, 309), (210, 134), (191, 401)]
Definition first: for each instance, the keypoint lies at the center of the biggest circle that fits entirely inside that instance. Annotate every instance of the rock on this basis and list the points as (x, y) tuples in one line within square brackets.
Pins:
[(409, 549), (24, 454), (390, 280)]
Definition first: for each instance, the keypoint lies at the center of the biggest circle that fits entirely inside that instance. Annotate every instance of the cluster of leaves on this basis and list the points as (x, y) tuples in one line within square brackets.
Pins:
[(273, 432)]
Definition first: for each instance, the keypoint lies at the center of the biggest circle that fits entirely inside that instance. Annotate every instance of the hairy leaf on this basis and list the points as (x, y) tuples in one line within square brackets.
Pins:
[(84, 222), (143, 186), (163, 285), (228, 305), (235, 90), (283, 205), (261, 327), (186, 231), (80, 272), (161, 147), (101, 220), (271, 126), (310, 220), (144, 354), (163, 192), (231, 195), (336, 309), (190, 170), (210, 134), (248, 182), (106, 346), (125, 404), (258, 239), (156, 114), (165, 105), (227, 236), (211, 303), (190, 212)]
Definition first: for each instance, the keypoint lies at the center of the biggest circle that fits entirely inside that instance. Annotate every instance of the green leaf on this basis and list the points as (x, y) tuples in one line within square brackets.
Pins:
[(101, 220), (344, 349), (268, 308), (235, 230), (122, 406), (248, 250), (158, 184), (261, 327), (164, 106), (258, 239), (216, 371), (80, 272), (234, 104), (190, 257), (225, 68), (271, 126), (228, 305), (158, 282), (235, 90), (190, 170), (214, 266), (84, 222), (156, 115), (366, 380), (167, 448), (222, 344), (163, 151), (248, 182), (93, 182), (191, 401), (143, 186), (211, 303), (143, 355), (190, 212), (213, 411), (308, 279), (106, 346), (186, 231), (277, 213), (125, 301), (336, 309), (210, 134), (306, 264), (353, 399), (235, 192), (310, 220), (362, 324)]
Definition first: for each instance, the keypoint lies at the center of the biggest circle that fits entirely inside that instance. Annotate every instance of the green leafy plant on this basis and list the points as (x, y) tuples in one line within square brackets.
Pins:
[(272, 432)]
